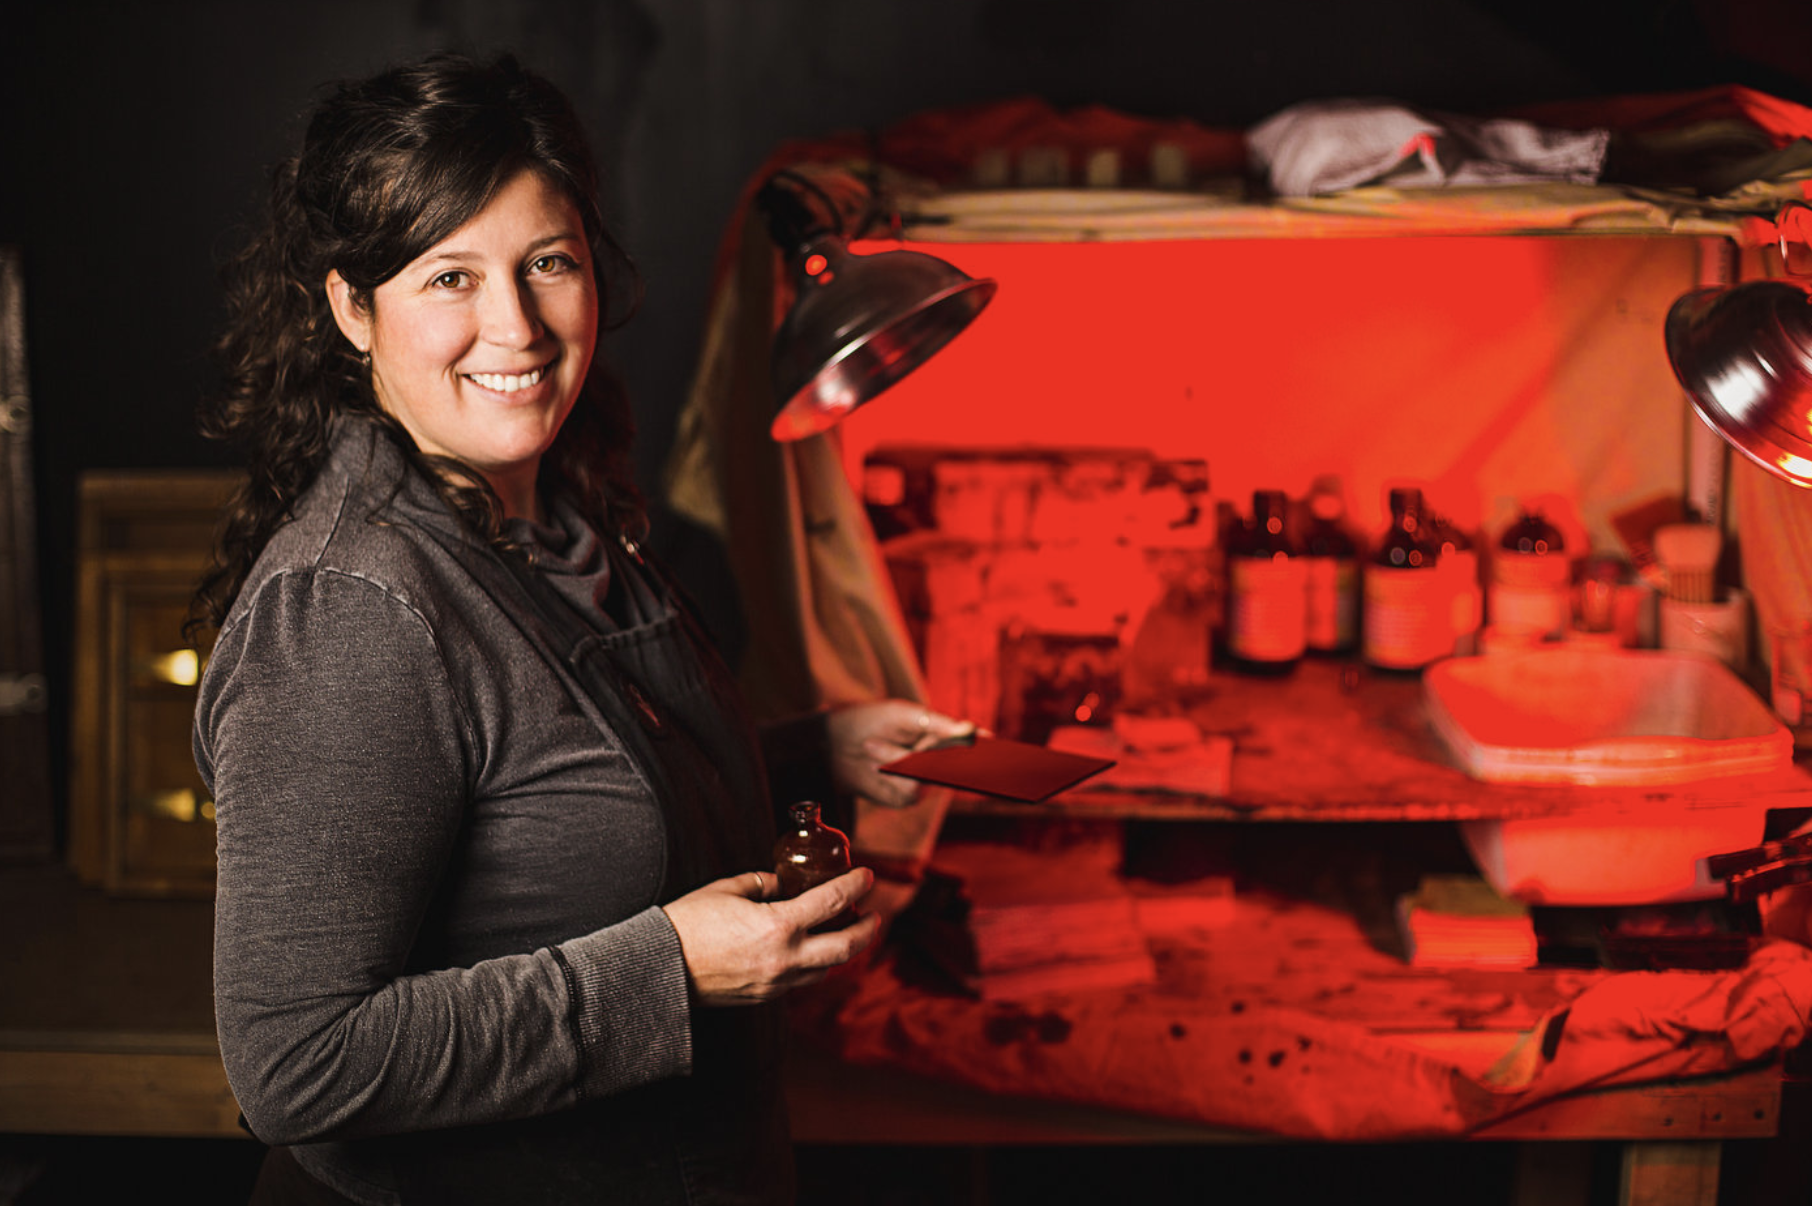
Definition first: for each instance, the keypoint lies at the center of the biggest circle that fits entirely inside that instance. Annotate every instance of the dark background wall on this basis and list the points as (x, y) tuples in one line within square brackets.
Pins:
[(135, 140)]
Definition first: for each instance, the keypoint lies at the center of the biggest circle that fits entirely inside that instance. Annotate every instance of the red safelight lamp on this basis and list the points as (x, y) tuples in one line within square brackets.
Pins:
[(858, 323), (1743, 353)]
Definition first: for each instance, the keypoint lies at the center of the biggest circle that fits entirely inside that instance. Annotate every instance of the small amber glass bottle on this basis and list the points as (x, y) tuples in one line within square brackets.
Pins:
[(808, 853), (1267, 616), (1408, 619)]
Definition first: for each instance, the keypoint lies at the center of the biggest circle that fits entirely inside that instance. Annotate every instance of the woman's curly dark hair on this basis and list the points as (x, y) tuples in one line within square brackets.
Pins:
[(390, 166)]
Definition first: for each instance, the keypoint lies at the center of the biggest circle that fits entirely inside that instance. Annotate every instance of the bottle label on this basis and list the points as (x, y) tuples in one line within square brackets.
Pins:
[(1269, 609), (1331, 619), (1408, 617), (1531, 571), (1548, 610)]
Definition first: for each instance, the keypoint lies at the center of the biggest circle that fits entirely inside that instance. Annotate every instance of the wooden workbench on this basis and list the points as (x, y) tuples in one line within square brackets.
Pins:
[(1320, 757), (106, 1020), (106, 1029), (1335, 741), (1669, 1133)]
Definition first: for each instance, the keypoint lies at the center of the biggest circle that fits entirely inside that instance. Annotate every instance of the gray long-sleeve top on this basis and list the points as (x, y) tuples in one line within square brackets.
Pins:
[(437, 876)]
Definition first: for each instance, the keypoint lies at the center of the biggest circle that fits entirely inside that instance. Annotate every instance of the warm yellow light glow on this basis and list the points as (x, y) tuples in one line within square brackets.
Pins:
[(181, 667), (179, 806)]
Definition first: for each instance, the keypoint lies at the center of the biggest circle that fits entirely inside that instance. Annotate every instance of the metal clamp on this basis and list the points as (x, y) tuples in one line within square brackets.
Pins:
[(1761, 869), (22, 693)]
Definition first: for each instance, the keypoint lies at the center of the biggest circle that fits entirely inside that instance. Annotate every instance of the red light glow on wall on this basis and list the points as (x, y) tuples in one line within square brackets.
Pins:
[(1486, 370)]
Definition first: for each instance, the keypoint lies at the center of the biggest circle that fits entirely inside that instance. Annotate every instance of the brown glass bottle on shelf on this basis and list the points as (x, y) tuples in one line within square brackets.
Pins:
[(1267, 593), (807, 853), (1408, 611)]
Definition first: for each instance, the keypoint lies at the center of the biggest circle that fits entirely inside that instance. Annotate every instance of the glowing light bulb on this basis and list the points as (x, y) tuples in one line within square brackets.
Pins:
[(182, 667), (173, 805)]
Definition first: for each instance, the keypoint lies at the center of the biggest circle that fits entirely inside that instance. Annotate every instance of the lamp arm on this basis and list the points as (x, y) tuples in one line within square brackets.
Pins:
[(791, 222)]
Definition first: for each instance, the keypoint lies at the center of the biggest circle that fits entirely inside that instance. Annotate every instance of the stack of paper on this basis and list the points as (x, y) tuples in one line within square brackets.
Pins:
[(1022, 950), (1009, 921), (1461, 921)]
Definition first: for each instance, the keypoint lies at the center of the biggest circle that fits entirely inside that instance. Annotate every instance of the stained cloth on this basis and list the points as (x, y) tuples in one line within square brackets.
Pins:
[(1281, 1021)]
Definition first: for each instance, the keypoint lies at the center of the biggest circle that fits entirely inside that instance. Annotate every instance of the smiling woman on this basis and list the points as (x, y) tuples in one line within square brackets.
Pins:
[(479, 347), (494, 835), (390, 170)]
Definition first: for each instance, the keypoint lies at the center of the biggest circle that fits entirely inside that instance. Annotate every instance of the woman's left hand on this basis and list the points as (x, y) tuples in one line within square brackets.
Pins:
[(863, 737)]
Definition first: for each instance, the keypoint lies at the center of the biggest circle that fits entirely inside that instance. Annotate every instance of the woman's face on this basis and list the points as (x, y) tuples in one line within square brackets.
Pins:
[(479, 347)]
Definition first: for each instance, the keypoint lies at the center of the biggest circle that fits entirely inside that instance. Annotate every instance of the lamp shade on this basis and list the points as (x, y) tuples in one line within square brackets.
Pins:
[(1744, 356), (858, 324)]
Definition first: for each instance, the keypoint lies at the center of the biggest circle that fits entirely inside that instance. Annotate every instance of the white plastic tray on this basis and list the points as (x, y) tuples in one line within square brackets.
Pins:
[(1598, 716)]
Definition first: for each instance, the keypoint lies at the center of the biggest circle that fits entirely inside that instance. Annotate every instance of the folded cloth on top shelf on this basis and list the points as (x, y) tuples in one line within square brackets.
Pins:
[(1327, 146)]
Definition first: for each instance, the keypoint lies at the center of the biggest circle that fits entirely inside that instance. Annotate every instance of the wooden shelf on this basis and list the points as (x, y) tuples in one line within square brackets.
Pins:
[(1334, 743)]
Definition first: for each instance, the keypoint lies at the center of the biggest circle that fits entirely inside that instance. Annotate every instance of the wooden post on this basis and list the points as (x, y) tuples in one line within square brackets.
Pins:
[(26, 825), (1670, 1174)]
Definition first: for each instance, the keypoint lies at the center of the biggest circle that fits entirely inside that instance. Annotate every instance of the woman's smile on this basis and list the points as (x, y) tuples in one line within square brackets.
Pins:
[(507, 383)]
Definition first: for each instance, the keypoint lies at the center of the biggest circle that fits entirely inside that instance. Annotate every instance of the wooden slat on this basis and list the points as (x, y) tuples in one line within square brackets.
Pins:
[(113, 1093), (835, 1103), (1213, 209), (1743, 1105)]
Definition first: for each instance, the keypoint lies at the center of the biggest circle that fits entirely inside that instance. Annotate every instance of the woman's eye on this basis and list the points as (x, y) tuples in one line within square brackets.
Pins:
[(544, 264), (448, 280)]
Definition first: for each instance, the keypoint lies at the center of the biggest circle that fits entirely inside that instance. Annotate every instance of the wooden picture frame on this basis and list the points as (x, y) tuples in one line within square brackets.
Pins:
[(141, 822)]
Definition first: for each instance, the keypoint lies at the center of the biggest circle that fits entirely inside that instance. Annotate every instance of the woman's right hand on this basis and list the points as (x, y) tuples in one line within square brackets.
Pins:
[(742, 948)]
